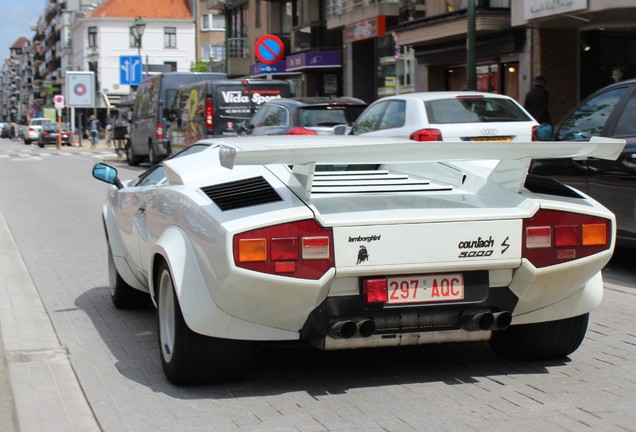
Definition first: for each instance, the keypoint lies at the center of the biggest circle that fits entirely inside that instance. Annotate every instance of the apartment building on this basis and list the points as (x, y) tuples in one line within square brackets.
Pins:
[(15, 94)]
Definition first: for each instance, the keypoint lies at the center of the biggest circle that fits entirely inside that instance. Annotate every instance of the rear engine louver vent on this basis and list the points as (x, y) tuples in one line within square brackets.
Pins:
[(549, 186), (242, 193)]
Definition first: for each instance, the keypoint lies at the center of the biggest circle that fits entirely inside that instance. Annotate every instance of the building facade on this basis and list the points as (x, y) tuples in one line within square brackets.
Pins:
[(361, 48)]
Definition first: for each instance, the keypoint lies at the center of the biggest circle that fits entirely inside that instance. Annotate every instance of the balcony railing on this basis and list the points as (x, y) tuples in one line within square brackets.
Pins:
[(338, 7), (237, 47)]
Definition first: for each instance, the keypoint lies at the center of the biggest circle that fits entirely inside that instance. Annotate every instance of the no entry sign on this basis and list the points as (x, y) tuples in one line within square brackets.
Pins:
[(269, 49)]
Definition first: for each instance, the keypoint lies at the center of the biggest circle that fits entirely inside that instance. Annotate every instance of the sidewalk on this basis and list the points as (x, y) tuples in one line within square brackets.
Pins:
[(38, 385)]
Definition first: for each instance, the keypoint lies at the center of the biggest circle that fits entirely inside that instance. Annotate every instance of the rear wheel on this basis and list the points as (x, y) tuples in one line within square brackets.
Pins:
[(133, 159), (123, 295), (540, 341), (152, 159), (188, 357)]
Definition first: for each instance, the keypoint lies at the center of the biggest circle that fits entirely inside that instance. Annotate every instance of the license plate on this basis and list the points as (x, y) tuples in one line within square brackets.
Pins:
[(491, 139), (426, 288)]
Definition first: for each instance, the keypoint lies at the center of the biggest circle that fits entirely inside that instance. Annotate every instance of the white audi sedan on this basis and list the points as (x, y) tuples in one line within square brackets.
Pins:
[(347, 242), (447, 116)]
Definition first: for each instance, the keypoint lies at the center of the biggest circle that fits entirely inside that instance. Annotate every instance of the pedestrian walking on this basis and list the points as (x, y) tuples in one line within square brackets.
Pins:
[(93, 128), (538, 100), (109, 130)]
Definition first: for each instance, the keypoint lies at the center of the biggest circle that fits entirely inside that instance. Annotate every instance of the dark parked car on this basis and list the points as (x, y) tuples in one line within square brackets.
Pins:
[(6, 130), (49, 134), (306, 116), (610, 112)]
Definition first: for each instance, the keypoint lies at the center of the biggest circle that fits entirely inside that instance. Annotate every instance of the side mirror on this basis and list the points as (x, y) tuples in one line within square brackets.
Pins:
[(107, 174), (340, 130)]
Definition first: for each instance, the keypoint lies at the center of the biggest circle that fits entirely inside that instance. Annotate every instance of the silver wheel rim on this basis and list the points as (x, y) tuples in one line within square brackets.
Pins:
[(166, 315)]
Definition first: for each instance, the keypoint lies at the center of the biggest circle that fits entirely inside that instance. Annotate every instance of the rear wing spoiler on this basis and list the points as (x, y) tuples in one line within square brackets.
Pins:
[(304, 153)]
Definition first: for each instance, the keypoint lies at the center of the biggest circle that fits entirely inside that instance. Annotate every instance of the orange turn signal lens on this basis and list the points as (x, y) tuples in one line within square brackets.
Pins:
[(594, 234), (250, 250)]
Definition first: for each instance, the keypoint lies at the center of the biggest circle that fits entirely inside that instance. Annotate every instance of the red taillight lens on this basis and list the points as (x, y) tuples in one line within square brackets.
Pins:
[(300, 249), (553, 237), (301, 131), (375, 291), (534, 133), (209, 114), (159, 131), (427, 135), (44, 133)]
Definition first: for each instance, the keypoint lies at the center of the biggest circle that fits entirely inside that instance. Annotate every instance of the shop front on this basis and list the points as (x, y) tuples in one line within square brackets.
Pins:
[(320, 72)]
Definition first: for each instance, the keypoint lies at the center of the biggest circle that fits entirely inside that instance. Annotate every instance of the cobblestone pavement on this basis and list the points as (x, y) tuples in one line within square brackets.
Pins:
[(76, 363)]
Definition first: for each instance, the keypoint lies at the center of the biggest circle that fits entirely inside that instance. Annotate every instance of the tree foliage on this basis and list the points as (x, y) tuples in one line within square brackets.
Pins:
[(200, 66)]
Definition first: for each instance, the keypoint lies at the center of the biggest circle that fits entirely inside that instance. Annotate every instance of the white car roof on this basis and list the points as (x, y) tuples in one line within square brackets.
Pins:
[(428, 96)]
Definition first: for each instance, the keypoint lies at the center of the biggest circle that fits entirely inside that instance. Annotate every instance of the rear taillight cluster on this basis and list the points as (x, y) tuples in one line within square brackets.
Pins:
[(554, 237), (209, 114), (159, 131), (534, 133), (427, 135), (301, 249)]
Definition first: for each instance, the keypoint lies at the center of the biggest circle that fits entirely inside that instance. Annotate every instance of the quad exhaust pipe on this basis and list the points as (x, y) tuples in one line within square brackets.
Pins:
[(348, 328), (487, 321)]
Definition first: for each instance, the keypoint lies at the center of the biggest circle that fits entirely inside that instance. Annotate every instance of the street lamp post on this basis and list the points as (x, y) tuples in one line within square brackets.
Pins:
[(137, 29)]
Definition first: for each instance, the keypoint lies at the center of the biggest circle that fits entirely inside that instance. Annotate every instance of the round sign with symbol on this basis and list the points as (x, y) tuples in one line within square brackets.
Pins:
[(79, 89), (58, 100), (269, 49)]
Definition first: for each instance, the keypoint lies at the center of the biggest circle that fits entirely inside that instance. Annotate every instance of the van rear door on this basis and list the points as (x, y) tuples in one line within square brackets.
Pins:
[(234, 104)]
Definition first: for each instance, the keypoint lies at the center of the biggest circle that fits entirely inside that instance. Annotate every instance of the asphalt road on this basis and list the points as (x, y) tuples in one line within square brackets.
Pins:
[(51, 207)]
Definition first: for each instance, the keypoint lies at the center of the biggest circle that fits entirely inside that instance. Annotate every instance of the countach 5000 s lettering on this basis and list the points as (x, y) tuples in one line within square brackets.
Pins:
[(344, 242), (476, 248)]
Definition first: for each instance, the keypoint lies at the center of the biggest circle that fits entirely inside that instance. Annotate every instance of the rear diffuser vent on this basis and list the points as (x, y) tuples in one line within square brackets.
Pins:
[(549, 186), (242, 193)]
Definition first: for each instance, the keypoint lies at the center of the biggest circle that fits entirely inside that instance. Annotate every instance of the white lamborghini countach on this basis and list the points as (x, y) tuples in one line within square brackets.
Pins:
[(355, 242)]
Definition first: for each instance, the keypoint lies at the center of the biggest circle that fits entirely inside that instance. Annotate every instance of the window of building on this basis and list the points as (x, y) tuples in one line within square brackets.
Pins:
[(237, 41), (170, 37), (213, 52), (212, 22), (257, 18), (92, 37), (172, 65)]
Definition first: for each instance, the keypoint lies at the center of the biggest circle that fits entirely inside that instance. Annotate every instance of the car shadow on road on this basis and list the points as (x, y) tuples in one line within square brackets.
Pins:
[(620, 271), (278, 369)]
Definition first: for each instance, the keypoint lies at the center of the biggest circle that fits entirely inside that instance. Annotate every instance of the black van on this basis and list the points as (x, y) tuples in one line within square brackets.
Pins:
[(221, 107), (148, 129)]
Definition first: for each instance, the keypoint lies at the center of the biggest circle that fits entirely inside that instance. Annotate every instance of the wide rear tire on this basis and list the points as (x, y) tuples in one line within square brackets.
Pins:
[(123, 295), (131, 156), (541, 341), (152, 159), (188, 357)]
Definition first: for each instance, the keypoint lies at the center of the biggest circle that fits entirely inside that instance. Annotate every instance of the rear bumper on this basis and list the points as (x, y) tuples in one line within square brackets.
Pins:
[(381, 325)]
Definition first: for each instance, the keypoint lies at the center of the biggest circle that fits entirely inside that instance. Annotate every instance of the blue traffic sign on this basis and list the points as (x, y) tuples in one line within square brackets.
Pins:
[(130, 69)]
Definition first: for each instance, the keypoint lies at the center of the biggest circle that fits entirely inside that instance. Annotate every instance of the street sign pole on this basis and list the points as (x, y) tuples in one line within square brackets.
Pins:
[(59, 104)]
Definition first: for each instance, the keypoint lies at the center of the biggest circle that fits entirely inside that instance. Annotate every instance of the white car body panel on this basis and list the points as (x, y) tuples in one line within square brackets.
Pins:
[(459, 202)]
